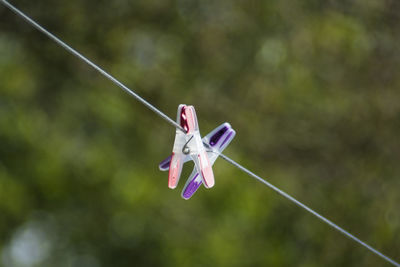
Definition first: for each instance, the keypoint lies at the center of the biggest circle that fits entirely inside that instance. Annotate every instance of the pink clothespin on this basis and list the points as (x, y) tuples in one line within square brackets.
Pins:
[(189, 144)]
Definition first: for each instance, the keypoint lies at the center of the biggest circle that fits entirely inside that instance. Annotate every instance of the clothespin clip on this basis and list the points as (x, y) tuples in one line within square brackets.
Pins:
[(216, 141), (189, 144)]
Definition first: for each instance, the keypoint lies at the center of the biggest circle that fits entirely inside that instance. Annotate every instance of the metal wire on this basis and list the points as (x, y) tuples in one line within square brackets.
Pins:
[(301, 205), (90, 63), (176, 125)]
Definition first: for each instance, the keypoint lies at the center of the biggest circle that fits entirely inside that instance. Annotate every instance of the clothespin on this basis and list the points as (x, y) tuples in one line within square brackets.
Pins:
[(189, 143), (216, 141)]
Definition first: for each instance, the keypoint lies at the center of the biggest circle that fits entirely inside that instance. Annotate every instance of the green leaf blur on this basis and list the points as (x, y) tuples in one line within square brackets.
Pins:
[(311, 87)]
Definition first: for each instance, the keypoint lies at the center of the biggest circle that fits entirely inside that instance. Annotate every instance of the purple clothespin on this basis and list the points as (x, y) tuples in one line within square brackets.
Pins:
[(216, 141)]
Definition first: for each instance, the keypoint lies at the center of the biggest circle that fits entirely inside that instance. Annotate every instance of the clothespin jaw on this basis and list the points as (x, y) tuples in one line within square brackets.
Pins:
[(219, 138), (216, 141), (189, 144)]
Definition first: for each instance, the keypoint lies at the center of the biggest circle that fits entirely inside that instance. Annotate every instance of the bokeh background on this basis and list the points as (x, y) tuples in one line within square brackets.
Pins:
[(311, 87)]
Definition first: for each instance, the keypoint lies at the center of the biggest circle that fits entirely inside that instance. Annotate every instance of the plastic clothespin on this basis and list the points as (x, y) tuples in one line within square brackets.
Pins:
[(216, 141), (189, 143)]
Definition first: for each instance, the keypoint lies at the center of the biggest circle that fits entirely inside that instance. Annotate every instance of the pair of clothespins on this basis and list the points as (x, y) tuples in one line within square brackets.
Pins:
[(190, 146)]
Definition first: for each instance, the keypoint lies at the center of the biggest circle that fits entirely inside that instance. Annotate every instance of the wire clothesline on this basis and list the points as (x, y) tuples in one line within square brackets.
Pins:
[(176, 125)]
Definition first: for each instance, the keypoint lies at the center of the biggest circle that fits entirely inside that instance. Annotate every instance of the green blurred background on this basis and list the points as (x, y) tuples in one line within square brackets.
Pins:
[(311, 87)]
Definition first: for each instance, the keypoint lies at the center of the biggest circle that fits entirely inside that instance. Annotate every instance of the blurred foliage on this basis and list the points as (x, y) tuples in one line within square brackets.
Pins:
[(312, 88)]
